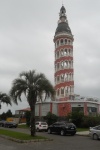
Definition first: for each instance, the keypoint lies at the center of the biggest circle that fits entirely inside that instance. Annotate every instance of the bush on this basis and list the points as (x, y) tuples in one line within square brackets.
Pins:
[(90, 121), (50, 118), (76, 117)]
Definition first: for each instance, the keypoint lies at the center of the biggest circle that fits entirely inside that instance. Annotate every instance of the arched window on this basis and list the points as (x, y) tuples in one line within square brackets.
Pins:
[(62, 91), (57, 43), (61, 41), (68, 41), (62, 53), (66, 91), (57, 65), (65, 64), (58, 79), (57, 54), (58, 92), (62, 65), (65, 77), (65, 52), (65, 41), (62, 78)]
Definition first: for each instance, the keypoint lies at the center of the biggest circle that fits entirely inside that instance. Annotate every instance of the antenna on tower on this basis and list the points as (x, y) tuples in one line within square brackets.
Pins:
[(62, 2)]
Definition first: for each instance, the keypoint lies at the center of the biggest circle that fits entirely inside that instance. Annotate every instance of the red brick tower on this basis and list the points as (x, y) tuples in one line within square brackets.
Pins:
[(64, 72)]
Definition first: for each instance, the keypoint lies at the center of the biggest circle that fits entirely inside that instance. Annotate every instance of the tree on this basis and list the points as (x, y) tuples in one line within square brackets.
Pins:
[(4, 98), (9, 113), (76, 117), (33, 86), (50, 118)]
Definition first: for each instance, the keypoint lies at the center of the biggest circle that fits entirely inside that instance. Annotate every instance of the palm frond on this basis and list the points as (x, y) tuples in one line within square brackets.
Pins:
[(4, 98)]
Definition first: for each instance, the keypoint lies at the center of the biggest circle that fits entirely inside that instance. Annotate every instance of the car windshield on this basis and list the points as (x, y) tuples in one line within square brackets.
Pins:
[(43, 123), (67, 123)]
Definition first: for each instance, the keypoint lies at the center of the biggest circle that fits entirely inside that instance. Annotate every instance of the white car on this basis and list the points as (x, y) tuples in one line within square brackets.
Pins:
[(94, 132), (41, 126)]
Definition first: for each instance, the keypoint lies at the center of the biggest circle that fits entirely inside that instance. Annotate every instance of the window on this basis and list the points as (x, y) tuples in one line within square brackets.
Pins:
[(57, 43), (65, 52), (58, 54), (57, 78), (58, 66), (62, 91), (61, 41), (65, 41), (58, 92), (62, 52), (62, 65)]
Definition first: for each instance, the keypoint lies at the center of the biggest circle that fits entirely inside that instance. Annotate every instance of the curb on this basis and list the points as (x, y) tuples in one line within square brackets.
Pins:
[(25, 141), (82, 134)]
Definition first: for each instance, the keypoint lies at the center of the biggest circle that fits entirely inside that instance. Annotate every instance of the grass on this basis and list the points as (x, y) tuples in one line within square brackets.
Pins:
[(82, 129), (19, 135), (24, 126)]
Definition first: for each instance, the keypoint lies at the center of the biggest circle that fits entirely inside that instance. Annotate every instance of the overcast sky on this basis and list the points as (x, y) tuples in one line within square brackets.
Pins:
[(27, 29)]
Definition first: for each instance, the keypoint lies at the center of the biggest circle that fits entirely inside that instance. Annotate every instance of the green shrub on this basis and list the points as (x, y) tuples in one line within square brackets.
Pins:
[(50, 118)]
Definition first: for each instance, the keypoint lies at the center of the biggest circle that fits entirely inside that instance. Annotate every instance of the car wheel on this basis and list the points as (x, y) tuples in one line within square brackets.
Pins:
[(62, 132), (49, 131), (95, 137)]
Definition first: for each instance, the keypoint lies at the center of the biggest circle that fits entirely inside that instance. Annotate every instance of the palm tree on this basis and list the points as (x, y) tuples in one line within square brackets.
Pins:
[(4, 98), (33, 86)]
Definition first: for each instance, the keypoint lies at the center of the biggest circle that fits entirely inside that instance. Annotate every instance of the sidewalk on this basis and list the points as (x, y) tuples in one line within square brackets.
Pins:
[(83, 133)]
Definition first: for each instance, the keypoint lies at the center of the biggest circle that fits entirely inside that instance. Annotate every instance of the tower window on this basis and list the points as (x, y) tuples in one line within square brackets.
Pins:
[(65, 41), (58, 66), (57, 78), (62, 91), (57, 43), (58, 92), (58, 54), (62, 52), (65, 52), (69, 41), (62, 65), (61, 41)]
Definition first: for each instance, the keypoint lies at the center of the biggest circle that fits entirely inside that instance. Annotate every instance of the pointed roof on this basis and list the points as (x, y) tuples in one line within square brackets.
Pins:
[(63, 23), (63, 8)]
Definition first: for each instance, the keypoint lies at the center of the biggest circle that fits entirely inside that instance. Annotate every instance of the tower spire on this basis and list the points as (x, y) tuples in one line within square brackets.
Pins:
[(62, 2)]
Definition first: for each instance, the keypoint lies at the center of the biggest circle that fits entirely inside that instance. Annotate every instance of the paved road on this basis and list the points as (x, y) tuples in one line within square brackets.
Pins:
[(59, 142)]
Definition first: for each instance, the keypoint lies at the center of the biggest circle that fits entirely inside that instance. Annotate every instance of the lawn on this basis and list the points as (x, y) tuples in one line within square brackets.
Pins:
[(82, 129), (24, 126), (20, 136)]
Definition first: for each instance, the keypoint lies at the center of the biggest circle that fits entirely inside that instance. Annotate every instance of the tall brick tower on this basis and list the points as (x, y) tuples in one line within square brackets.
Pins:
[(64, 72)]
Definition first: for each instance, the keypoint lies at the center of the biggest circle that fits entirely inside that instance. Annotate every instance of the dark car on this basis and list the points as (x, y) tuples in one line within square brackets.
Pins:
[(10, 125), (62, 128), (2, 123)]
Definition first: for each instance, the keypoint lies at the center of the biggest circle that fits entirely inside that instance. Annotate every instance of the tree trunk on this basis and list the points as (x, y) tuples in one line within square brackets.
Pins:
[(32, 120)]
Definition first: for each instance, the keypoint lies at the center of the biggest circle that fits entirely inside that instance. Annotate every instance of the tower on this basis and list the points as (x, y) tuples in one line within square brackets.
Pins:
[(64, 72)]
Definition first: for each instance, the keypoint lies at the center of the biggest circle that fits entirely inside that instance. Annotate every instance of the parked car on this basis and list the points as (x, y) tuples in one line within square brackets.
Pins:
[(62, 128), (10, 125), (94, 132), (41, 126), (2, 123)]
